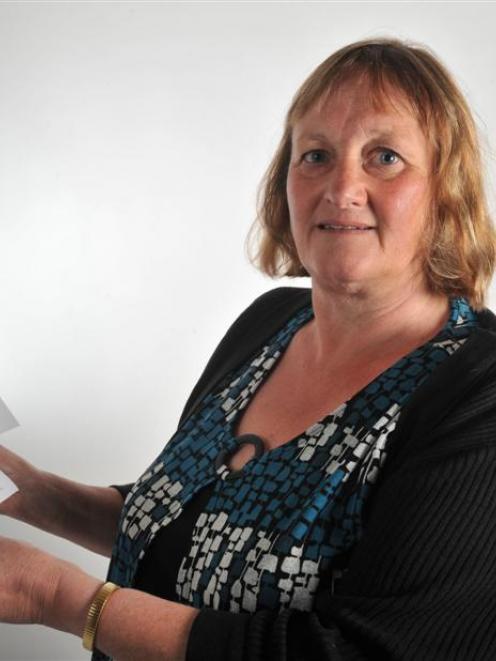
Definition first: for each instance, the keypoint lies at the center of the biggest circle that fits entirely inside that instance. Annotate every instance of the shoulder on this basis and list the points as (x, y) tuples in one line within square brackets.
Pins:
[(455, 408), (487, 323), (479, 351), (262, 318), (280, 297), (276, 305)]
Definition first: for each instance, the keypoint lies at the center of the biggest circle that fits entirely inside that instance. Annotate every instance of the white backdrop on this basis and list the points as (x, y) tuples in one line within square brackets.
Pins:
[(132, 139)]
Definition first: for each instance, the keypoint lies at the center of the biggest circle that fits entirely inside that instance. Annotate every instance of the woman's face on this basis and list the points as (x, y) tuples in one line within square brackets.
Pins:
[(358, 191)]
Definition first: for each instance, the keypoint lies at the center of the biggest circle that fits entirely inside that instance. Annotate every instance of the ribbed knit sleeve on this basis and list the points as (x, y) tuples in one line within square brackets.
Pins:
[(123, 489), (421, 584)]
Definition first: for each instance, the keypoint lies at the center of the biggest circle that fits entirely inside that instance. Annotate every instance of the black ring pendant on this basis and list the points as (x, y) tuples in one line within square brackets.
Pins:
[(244, 439)]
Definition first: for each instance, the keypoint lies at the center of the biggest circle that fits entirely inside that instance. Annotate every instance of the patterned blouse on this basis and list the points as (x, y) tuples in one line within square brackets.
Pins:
[(269, 533)]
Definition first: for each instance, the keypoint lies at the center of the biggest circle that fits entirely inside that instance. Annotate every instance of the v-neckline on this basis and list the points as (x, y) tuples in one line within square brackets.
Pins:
[(277, 348)]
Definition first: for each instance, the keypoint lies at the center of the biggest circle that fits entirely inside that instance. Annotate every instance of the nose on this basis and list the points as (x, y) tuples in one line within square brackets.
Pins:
[(345, 185)]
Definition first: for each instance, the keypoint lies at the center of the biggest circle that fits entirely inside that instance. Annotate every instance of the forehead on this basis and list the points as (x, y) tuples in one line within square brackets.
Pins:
[(356, 105)]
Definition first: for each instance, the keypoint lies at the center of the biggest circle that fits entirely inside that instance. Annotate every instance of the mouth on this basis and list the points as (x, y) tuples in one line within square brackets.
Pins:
[(330, 227)]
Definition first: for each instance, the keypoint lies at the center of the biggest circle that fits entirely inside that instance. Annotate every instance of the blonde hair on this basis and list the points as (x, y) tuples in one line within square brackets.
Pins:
[(459, 248)]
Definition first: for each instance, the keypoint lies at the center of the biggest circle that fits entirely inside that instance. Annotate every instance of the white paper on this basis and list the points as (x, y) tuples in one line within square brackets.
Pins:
[(7, 487), (7, 420)]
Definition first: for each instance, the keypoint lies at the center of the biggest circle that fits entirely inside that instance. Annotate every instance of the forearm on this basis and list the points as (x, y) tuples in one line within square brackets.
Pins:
[(84, 514), (155, 629), (133, 625)]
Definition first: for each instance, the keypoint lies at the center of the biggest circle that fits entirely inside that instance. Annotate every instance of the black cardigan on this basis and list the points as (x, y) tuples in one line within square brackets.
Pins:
[(421, 583)]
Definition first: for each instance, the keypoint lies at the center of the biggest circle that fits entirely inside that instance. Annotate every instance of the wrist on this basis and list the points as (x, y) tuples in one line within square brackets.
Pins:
[(68, 607), (36, 499), (137, 625)]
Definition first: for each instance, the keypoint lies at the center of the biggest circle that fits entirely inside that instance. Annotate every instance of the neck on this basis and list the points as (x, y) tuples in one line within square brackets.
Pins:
[(363, 323)]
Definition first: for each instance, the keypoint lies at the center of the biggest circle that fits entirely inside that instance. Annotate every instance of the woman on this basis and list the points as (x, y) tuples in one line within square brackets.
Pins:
[(364, 526)]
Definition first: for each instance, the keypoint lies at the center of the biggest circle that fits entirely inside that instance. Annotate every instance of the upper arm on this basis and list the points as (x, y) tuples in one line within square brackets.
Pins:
[(423, 577)]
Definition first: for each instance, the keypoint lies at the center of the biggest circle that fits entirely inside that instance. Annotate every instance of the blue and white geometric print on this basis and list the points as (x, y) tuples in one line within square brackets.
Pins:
[(265, 539)]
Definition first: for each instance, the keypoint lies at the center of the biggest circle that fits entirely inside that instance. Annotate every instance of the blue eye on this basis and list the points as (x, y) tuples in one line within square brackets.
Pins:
[(320, 156), (389, 152), (315, 156)]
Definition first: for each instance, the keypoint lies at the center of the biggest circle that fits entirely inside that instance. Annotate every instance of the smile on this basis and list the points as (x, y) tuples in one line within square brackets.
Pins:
[(341, 228)]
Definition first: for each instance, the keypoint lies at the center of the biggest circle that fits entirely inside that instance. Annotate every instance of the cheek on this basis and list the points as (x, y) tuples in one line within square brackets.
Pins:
[(408, 198), (295, 198), (299, 191), (293, 193), (407, 213), (290, 196)]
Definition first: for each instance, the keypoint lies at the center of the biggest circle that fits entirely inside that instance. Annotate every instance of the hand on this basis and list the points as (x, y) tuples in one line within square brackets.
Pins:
[(27, 479), (84, 514), (38, 588)]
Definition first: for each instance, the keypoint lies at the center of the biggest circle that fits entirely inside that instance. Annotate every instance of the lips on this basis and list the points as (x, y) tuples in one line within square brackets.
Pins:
[(334, 226)]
